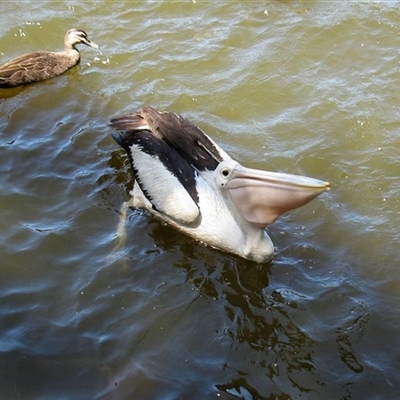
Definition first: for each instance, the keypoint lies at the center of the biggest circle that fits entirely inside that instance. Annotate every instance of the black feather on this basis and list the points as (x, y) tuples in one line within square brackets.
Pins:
[(157, 148)]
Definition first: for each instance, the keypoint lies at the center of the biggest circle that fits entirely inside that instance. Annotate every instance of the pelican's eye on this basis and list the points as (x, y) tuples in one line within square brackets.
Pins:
[(225, 172)]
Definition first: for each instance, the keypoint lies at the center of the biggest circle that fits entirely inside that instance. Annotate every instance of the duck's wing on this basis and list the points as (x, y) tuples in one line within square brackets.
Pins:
[(194, 146), (26, 69), (165, 178)]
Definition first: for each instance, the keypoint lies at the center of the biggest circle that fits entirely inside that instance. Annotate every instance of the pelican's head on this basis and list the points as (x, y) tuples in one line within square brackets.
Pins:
[(262, 196)]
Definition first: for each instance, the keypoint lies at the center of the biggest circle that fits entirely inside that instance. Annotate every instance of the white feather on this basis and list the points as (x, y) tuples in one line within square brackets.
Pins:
[(220, 226), (166, 192)]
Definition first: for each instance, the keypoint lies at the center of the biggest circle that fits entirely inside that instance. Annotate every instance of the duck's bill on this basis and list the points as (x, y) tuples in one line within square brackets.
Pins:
[(92, 44), (262, 196)]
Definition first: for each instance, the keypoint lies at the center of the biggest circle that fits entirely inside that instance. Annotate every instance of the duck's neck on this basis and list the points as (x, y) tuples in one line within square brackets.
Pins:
[(72, 52)]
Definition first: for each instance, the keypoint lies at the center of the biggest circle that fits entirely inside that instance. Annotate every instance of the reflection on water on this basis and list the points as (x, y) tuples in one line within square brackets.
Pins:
[(299, 87)]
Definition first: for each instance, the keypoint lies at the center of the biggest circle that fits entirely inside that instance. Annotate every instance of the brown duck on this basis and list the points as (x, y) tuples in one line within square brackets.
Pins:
[(41, 65)]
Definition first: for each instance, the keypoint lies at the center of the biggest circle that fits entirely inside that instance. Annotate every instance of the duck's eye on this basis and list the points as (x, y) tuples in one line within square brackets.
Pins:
[(225, 172)]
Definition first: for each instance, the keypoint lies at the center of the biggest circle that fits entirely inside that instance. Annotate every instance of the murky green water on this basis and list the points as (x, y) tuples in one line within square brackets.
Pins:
[(305, 87)]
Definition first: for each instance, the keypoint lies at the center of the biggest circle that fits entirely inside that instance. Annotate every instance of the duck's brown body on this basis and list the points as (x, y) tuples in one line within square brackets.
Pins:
[(41, 65)]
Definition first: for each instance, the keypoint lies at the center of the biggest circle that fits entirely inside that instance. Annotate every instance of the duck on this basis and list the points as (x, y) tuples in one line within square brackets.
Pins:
[(188, 182), (41, 65)]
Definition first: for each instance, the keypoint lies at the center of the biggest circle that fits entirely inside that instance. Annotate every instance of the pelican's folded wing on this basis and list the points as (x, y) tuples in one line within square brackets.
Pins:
[(165, 178)]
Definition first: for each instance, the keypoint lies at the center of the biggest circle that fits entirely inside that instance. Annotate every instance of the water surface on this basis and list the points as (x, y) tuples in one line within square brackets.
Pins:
[(304, 87)]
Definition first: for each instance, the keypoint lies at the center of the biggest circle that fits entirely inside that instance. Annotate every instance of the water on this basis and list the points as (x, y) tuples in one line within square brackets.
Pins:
[(305, 87)]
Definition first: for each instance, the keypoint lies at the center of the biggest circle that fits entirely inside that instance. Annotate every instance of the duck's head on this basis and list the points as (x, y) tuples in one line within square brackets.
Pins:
[(78, 36)]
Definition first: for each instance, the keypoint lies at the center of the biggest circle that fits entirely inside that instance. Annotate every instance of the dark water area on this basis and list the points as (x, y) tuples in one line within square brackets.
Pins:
[(303, 87)]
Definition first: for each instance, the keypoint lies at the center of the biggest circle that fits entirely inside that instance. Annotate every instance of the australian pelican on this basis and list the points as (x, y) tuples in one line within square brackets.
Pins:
[(186, 180)]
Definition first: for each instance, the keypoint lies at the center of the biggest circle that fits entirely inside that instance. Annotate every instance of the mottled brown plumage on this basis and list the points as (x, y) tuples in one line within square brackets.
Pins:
[(41, 65)]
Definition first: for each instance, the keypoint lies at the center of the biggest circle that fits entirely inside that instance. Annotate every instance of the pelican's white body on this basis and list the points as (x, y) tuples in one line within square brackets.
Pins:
[(219, 224)]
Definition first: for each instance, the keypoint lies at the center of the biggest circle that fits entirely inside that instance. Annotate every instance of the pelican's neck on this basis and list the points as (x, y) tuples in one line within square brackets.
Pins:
[(244, 238)]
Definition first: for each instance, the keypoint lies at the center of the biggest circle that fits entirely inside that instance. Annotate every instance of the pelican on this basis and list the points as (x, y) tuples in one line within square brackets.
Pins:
[(41, 65), (187, 181)]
